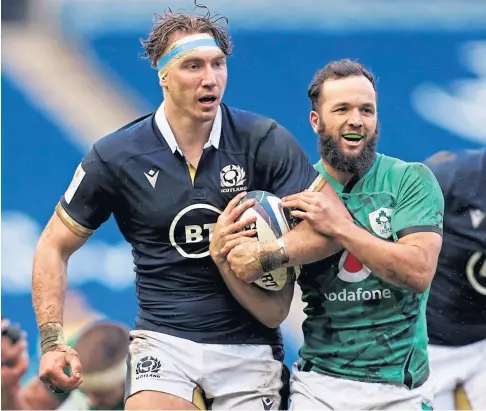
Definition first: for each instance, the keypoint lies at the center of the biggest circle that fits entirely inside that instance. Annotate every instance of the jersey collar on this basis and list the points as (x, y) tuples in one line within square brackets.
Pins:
[(336, 185), (166, 131)]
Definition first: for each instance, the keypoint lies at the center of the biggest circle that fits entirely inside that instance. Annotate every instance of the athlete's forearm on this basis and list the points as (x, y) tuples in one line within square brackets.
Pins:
[(49, 282), (303, 245), (49, 277), (269, 307), (399, 264)]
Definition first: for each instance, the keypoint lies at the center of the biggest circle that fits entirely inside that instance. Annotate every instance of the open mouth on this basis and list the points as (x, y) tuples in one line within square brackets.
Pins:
[(354, 138), (207, 100)]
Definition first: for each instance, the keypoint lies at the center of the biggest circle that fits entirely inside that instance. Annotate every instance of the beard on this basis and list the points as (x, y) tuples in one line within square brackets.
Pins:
[(333, 154)]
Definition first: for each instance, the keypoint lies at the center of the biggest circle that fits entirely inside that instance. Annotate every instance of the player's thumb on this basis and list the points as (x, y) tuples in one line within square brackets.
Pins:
[(72, 359)]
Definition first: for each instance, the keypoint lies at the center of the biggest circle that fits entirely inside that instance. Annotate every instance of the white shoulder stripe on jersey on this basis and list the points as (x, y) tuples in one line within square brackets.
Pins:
[(317, 184)]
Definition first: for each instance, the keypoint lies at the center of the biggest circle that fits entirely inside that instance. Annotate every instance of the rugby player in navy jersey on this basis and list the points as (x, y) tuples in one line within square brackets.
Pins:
[(166, 178), (456, 309)]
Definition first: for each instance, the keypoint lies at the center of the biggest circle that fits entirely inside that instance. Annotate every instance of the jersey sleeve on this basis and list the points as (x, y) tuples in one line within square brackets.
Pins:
[(88, 201), (420, 203), (282, 167)]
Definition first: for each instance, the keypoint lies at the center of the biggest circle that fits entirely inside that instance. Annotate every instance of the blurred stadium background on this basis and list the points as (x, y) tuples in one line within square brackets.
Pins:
[(72, 72)]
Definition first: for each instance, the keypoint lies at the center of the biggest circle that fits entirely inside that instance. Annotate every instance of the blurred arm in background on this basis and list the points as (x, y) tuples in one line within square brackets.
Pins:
[(34, 396), (15, 362)]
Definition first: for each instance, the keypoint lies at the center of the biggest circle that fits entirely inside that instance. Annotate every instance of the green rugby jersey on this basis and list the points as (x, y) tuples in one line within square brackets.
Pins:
[(359, 326)]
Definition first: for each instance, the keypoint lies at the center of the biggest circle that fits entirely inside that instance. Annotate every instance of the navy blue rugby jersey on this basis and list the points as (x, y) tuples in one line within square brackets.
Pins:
[(456, 309), (138, 174)]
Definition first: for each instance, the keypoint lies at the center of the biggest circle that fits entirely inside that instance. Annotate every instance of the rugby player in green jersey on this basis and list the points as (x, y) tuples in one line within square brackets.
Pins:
[(365, 333)]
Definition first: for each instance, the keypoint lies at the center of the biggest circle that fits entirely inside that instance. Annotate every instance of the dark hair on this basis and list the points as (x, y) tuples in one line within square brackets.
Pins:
[(333, 71), (168, 23)]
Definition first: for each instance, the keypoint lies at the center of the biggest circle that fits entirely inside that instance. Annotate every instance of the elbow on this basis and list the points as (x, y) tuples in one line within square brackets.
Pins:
[(417, 288), (421, 281), (277, 318), (272, 323)]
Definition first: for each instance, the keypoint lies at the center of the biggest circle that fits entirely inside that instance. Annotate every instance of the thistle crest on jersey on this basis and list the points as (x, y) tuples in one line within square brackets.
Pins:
[(233, 178), (351, 270), (380, 222)]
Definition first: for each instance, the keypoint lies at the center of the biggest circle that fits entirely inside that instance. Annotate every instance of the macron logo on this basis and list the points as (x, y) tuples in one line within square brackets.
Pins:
[(152, 177), (477, 217)]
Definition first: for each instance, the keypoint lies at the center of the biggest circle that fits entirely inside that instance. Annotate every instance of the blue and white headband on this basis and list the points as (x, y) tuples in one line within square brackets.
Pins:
[(182, 48)]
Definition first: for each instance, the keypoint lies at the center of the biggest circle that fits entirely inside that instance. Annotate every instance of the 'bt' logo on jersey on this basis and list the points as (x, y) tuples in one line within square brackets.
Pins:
[(233, 179), (189, 239), (351, 270)]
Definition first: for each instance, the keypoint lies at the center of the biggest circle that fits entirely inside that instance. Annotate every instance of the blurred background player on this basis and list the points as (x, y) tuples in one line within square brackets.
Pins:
[(166, 177), (102, 347), (15, 362), (456, 310), (365, 332)]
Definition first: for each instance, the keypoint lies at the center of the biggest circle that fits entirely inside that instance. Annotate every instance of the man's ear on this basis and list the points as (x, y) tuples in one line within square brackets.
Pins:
[(163, 81), (314, 121)]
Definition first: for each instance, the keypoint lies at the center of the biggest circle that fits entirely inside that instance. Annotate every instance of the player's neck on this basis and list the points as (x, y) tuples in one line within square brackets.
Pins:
[(190, 134), (340, 176)]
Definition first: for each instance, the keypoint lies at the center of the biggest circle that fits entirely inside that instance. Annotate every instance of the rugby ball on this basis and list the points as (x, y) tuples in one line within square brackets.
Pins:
[(272, 222)]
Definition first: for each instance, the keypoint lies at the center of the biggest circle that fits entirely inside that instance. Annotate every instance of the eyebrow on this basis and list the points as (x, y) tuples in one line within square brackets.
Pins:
[(344, 103), (190, 58)]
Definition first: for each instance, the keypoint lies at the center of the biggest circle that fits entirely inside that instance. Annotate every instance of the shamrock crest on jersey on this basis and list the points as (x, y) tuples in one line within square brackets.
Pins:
[(380, 221)]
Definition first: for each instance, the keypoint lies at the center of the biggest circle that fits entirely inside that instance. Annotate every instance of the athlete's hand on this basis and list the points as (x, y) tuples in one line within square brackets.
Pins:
[(228, 229), (243, 259), (319, 211), (52, 365), (15, 359)]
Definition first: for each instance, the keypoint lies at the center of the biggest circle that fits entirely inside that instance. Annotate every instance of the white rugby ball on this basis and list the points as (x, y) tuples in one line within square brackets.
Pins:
[(272, 222)]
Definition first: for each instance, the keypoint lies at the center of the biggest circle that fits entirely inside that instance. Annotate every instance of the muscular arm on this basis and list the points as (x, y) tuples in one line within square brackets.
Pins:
[(269, 307), (49, 277), (409, 263), (410, 260), (305, 245), (86, 204)]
